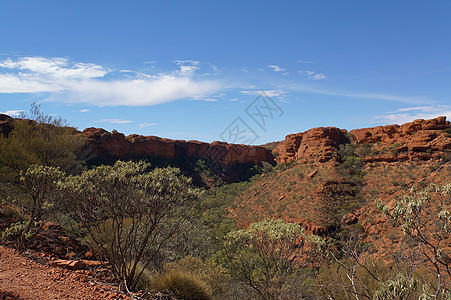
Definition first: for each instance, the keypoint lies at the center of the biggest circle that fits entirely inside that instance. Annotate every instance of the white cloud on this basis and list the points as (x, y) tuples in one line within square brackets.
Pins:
[(417, 112), (114, 121), (84, 110), (57, 67), (276, 68), (427, 108), (360, 95), (318, 76), (304, 61), (142, 125), (269, 93), (12, 113), (86, 83), (186, 61), (313, 75), (11, 83), (187, 70), (151, 63)]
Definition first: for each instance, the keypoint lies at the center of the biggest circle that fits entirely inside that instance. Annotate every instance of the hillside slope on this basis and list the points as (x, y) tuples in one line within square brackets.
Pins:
[(327, 177)]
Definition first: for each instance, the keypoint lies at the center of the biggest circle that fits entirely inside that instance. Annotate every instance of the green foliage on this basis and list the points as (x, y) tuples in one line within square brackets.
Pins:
[(32, 156), (263, 256), (128, 212), (214, 276), (264, 168), (424, 216), (351, 163), (213, 208), (181, 285), (37, 193), (42, 140), (18, 231), (401, 287), (344, 278)]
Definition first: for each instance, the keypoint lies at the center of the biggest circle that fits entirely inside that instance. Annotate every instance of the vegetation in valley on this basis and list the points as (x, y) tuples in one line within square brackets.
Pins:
[(185, 229)]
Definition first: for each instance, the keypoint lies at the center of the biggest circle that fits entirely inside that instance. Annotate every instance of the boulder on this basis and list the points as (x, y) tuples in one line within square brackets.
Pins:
[(317, 144)]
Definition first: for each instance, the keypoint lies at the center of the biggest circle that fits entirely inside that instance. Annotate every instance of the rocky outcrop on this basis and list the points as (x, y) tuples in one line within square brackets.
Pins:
[(420, 139), (317, 144), (115, 145), (387, 134)]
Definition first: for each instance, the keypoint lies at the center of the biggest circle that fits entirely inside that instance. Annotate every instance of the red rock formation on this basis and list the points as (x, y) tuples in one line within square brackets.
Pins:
[(317, 144), (118, 146), (420, 139), (391, 132)]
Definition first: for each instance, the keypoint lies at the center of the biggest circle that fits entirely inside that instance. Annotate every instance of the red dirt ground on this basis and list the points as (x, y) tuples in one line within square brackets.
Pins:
[(23, 278)]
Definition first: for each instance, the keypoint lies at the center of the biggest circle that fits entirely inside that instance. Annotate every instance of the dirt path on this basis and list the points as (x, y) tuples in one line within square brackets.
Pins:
[(27, 279)]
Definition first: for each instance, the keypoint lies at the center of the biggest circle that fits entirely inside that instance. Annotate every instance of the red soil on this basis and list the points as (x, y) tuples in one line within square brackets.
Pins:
[(24, 278)]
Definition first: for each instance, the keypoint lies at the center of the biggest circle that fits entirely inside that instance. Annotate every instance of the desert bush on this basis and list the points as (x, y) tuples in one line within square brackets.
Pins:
[(181, 285), (264, 256), (129, 213), (347, 278), (424, 216), (18, 231), (36, 192), (214, 276), (34, 156), (352, 271), (40, 140)]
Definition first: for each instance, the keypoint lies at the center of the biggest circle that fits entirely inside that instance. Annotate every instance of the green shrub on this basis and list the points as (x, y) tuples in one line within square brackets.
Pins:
[(143, 280), (18, 231), (182, 285), (334, 279), (207, 271)]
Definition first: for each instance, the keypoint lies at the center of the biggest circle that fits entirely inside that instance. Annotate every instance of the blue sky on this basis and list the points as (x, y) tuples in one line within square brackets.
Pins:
[(195, 69)]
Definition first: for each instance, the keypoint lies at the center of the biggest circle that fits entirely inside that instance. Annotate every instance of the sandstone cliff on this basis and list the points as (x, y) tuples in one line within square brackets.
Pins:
[(420, 139), (317, 144), (116, 145)]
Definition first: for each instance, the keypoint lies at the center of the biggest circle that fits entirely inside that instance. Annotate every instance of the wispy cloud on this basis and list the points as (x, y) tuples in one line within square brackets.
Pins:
[(187, 70), (57, 67), (318, 76), (186, 61), (360, 95), (269, 93), (151, 63), (313, 75), (409, 114), (114, 121), (142, 125), (12, 113), (304, 61), (276, 68), (88, 83), (84, 110)]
